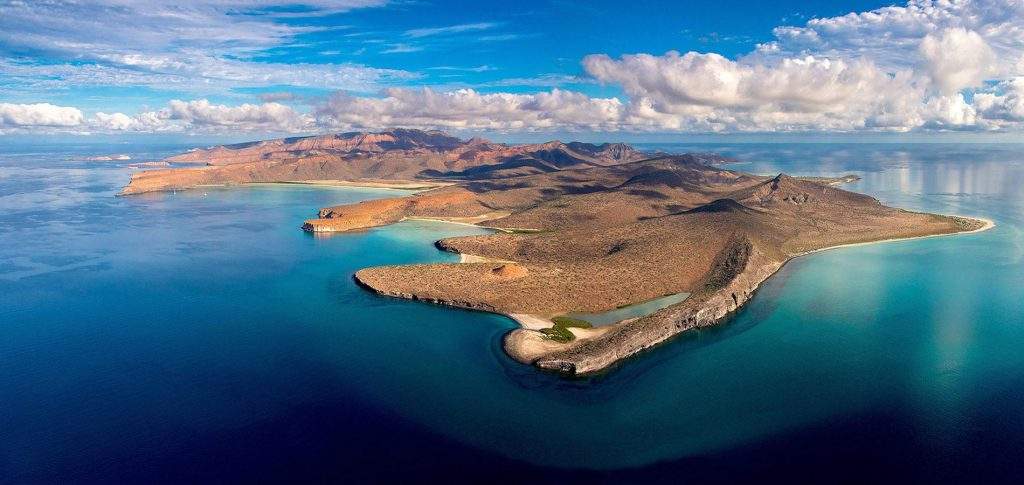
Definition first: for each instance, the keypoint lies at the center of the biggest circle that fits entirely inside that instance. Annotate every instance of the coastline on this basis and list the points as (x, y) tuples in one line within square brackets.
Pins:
[(737, 271), (413, 187), (595, 351), (625, 339), (987, 224), (537, 322), (462, 221), (369, 184)]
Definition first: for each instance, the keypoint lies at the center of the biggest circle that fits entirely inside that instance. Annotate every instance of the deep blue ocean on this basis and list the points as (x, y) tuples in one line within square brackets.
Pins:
[(202, 336)]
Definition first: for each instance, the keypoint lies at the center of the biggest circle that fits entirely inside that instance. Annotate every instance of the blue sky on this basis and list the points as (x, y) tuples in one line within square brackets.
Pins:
[(718, 66)]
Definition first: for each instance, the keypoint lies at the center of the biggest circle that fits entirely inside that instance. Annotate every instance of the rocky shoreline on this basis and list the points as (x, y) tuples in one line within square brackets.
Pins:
[(739, 271), (579, 228)]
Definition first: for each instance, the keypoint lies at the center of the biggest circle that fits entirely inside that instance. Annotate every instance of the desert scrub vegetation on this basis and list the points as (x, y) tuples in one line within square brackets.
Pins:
[(560, 331)]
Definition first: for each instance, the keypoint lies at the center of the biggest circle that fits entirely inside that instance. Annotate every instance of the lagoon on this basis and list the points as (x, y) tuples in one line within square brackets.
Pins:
[(635, 310)]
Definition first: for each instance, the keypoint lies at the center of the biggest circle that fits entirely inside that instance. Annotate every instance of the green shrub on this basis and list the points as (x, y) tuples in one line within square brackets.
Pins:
[(560, 331)]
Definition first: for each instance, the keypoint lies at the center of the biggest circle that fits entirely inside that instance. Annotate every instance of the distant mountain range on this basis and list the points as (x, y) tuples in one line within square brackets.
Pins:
[(388, 155)]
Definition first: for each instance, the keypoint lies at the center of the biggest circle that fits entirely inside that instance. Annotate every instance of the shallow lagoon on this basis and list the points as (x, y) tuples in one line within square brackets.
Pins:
[(635, 310), (202, 335)]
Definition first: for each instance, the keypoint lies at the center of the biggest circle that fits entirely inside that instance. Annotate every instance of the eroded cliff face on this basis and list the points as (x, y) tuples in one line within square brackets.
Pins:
[(366, 278), (741, 269)]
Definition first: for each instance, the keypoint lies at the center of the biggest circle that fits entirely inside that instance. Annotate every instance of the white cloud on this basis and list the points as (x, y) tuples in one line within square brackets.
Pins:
[(199, 46), (894, 68), (116, 122), (200, 73), (250, 117), (709, 90), (119, 26), (951, 112), (451, 29), (39, 115), (401, 49), (1004, 104), (202, 116), (891, 35), (469, 109), (931, 65), (957, 58), (677, 82)]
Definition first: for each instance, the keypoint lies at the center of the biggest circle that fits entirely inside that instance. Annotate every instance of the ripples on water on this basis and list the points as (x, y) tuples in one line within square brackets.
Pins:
[(201, 335)]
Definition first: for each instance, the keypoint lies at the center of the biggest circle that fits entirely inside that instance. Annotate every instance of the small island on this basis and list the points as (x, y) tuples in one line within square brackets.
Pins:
[(579, 228)]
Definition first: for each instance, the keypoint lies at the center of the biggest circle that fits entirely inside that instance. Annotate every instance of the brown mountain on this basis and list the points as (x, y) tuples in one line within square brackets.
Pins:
[(385, 156), (581, 228), (598, 238)]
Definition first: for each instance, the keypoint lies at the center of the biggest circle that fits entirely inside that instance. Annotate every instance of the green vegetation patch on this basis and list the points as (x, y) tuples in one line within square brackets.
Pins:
[(564, 321), (560, 332)]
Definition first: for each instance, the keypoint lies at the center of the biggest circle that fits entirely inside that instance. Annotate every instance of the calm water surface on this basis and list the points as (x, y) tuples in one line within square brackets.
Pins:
[(630, 311), (202, 336)]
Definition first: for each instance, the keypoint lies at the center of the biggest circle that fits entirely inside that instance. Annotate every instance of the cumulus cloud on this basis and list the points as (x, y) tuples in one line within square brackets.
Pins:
[(891, 35), (896, 69), (711, 92), (933, 65), (249, 117), (1005, 103), (957, 58), (469, 109), (178, 116), (38, 115), (202, 116), (676, 82)]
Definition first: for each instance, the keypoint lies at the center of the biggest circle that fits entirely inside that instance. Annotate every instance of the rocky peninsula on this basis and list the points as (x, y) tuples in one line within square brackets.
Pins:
[(579, 228)]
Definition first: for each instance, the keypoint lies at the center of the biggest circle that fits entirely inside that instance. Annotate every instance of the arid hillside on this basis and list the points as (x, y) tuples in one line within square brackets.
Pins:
[(386, 156), (593, 196), (595, 239), (579, 228)]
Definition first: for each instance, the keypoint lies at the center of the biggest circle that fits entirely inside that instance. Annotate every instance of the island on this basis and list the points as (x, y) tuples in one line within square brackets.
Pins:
[(578, 228)]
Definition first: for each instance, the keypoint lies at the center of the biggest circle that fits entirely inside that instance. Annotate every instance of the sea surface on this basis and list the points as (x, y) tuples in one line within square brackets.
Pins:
[(202, 336)]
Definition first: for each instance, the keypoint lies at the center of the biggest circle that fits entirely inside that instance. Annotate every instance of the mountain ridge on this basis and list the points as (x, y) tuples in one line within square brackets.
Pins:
[(399, 154)]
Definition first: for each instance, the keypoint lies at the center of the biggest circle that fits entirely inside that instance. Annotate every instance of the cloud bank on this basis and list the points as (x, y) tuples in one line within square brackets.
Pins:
[(927, 65)]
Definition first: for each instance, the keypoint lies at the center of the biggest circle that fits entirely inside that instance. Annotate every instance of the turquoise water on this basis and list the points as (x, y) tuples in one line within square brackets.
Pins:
[(630, 311), (202, 336)]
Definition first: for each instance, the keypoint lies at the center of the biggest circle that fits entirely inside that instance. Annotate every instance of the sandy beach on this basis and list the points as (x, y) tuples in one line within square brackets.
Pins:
[(373, 184), (988, 224)]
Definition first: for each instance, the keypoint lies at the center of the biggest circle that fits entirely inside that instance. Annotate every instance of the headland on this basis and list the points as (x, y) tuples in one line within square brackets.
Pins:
[(579, 228)]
